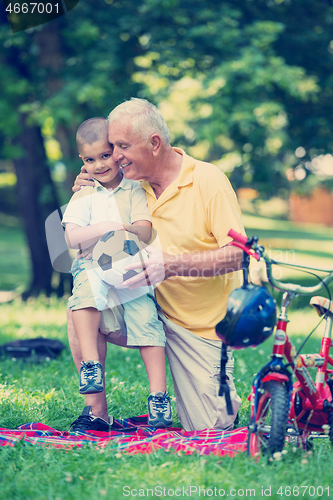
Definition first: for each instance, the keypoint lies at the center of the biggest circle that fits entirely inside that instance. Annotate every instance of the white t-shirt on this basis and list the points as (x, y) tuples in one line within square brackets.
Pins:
[(126, 204)]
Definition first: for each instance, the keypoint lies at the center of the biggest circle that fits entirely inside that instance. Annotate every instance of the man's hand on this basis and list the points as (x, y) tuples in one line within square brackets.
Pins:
[(83, 179), (161, 266), (153, 272)]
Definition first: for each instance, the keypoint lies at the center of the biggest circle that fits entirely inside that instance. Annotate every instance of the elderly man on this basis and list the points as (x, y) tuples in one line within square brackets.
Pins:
[(193, 206)]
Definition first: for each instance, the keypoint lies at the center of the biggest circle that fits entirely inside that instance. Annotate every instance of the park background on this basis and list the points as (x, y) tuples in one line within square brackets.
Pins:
[(246, 85)]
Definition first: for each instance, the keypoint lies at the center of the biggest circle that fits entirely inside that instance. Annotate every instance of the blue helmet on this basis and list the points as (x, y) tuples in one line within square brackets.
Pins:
[(250, 318)]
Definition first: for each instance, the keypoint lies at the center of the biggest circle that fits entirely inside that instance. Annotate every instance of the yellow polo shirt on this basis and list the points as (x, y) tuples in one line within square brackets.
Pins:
[(194, 214)]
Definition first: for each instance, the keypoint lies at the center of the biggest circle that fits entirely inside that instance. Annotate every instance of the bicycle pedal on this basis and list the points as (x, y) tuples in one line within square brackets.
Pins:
[(293, 440)]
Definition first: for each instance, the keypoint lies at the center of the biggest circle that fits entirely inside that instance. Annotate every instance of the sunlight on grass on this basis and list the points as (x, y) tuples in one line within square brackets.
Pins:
[(22, 398), (253, 221), (289, 246), (27, 315), (296, 244), (14, 261), (295, 275), (303, 322)]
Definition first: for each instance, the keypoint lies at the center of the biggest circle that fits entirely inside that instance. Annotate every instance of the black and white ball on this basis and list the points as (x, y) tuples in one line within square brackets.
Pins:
[(113, 252)]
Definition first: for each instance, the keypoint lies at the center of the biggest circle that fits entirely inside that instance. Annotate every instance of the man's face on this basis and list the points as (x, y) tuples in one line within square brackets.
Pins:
[(131, 153), (99, 163)]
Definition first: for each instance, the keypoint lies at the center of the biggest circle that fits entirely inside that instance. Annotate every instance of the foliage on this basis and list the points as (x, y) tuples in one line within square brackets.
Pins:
[(247, 85), (45, 79), (242, 84), (71, 69), (239, 88)]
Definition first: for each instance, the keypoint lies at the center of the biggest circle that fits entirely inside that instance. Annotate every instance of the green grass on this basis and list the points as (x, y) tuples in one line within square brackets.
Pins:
[(312, 239), (14, 259), (48, 393), (56, 401)]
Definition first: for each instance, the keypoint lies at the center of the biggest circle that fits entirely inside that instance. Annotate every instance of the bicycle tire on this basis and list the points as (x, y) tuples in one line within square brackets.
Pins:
[(268, 429)]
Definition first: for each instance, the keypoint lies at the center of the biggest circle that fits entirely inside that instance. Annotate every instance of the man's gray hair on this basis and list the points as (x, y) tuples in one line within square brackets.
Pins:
[(146, 118)]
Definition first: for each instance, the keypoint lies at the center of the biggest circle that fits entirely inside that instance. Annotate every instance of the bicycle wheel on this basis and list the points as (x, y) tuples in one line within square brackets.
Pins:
[(268, 428)]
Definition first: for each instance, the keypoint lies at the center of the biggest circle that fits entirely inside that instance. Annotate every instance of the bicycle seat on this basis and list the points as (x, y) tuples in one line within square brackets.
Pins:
[(322, 305)]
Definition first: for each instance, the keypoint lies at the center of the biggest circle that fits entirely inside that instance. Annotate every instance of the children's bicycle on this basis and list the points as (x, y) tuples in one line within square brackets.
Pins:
[(282, 409)]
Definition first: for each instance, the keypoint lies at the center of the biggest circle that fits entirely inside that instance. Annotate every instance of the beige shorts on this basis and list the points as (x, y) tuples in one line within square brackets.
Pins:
[(195, 367)]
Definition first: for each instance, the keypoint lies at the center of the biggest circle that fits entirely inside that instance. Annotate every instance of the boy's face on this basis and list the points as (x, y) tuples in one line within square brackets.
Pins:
[(99, 163)]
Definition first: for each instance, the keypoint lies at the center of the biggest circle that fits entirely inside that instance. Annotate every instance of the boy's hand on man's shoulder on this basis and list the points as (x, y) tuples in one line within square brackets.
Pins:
[(83, 179)]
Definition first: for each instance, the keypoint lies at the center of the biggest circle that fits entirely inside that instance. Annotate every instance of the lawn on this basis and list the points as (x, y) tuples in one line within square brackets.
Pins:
[(48, 393), (14, 259)]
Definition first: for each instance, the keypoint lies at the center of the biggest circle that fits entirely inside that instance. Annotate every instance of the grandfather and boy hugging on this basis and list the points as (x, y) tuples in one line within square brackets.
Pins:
[(177, 211)]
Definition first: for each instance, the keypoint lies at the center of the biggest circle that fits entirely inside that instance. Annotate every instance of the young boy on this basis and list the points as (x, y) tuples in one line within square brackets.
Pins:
[(114, 203)]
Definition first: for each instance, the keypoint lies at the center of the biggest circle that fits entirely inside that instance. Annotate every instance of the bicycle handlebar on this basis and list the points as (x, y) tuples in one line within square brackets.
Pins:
[(250, 246), (243, 242), (238, 237)]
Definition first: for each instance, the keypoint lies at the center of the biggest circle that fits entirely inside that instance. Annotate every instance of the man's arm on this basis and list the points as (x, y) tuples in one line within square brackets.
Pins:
[(204, 264), (161, 266)]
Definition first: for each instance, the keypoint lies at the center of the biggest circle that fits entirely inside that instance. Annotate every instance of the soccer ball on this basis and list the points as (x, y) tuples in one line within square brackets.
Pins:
[(113, 252)]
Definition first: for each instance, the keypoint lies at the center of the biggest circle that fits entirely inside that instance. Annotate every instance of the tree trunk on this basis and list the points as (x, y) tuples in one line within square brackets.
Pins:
[(37, 200), (36, 192)]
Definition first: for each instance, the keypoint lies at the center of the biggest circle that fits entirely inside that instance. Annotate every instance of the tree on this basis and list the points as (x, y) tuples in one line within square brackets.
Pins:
[(244, 84), (235, 78), (45, 74), (24, 144)]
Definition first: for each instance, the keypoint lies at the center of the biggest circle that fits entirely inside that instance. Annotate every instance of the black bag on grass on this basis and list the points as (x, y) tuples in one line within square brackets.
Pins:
[(37, 349)]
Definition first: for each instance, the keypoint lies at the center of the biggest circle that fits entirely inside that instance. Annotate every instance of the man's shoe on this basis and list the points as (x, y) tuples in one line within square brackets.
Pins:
[(159, 409), (91, 377), (88, 422)]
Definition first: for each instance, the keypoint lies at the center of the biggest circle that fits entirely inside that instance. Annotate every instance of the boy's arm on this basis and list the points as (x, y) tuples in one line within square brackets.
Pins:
[(142, 228), (84, 237)]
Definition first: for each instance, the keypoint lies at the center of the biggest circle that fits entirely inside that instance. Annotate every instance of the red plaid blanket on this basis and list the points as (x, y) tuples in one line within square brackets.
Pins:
[(132, 435)]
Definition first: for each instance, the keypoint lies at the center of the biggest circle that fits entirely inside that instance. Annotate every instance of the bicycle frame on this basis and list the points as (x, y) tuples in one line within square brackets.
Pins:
[(316, 395), (309, 401)]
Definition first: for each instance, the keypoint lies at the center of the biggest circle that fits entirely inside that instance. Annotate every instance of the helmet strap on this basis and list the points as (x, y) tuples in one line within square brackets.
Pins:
[(224, 388), (245, 269)]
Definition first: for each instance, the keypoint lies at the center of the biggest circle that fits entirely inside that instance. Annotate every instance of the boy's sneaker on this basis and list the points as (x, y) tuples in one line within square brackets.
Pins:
[(159, 409), (91, 377), (88, 422)]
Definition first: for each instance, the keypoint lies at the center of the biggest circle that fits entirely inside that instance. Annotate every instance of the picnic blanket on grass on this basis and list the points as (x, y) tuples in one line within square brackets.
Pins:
[(132, 435)]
